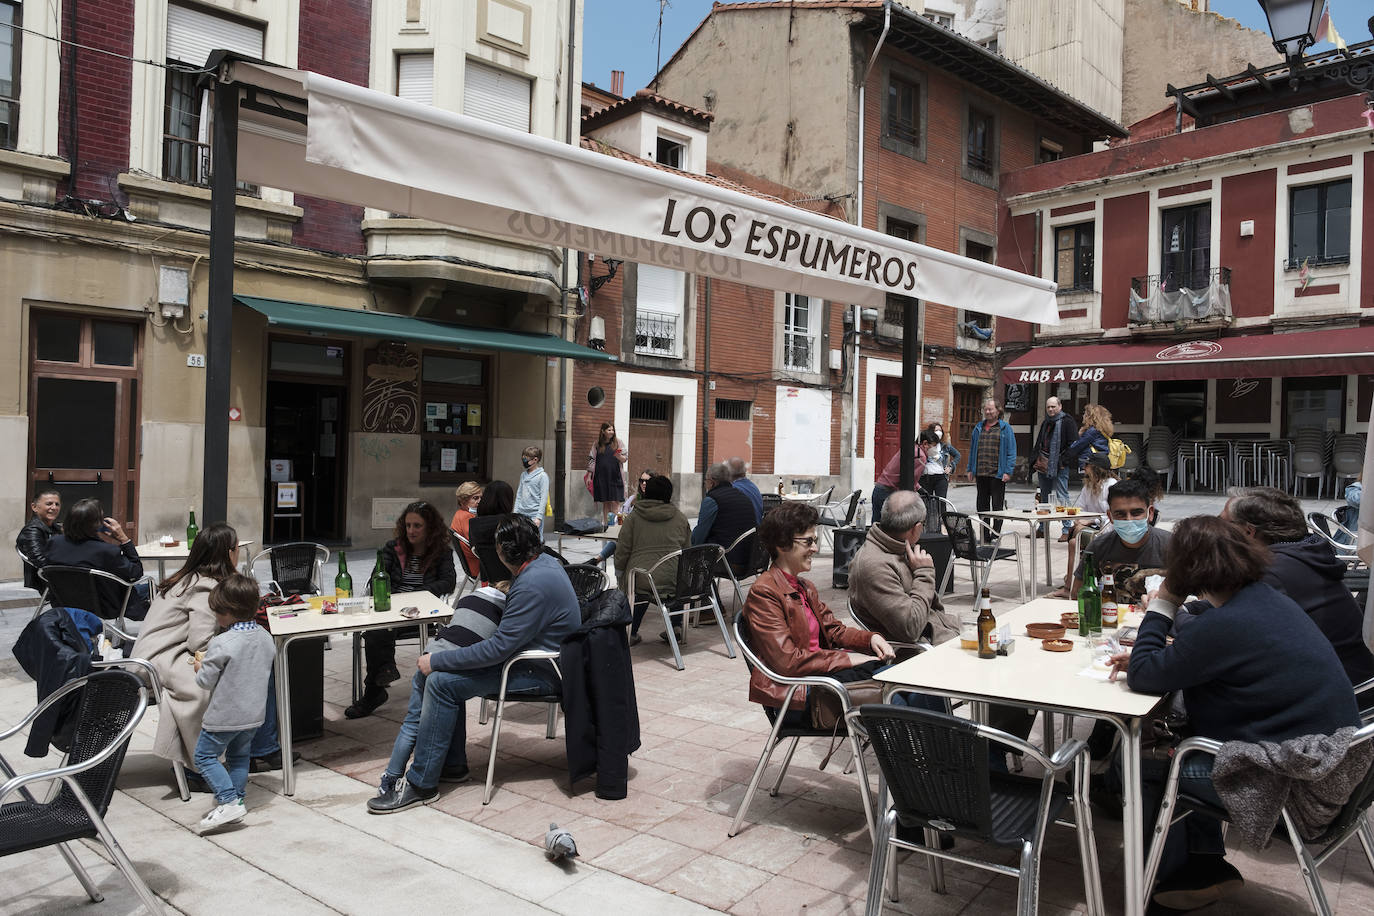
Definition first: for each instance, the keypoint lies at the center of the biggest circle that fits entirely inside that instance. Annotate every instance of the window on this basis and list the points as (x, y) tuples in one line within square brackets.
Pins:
[(799, 323), (729, 409), (658, 310), (671, 153), (894, 311), (453, 398), (903, 111), (1050, 151), (1319, 224), (415, 78), (990, 45), (940, 19), (980, 141), (9, 73), (1073, 256), (496, 95), (192, 34), (977, 325), (1186, 248)]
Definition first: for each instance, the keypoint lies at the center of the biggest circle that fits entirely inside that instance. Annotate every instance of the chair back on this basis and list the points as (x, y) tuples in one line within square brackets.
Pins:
[(1355, 807), (1341, 539), (297, 567), (461, 547), (112, 702), (963, 540), (853, 507), (587, 581), (936, 767), (81, 587), (770, 501), (696, 571)]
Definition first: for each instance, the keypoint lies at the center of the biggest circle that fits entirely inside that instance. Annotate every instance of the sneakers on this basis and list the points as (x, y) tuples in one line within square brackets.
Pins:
[(270, 762), (636, 639), (388, 675), (223, 816), (372, 698), (400, 797), (1204, 880)]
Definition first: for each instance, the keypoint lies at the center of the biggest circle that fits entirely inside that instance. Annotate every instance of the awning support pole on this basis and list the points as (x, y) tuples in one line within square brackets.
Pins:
[(219, 326), (911, 390)]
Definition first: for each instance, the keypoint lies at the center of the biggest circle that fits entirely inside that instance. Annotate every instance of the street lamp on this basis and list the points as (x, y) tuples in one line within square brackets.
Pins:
[(1293, 24)]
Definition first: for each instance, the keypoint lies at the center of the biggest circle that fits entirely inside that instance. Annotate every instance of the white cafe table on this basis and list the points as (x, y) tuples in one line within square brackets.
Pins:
[(1034, 520), (180, 551), (1050, 682), (289, 623)]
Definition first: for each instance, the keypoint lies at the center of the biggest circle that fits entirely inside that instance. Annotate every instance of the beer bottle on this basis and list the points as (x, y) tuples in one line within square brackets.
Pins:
[(987, 627), (380, 585), (1089, 599), (1110, 610), (191, 529), (343, 582)]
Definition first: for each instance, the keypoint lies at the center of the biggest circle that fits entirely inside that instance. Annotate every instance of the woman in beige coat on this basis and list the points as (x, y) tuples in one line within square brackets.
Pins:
[(179, 624)]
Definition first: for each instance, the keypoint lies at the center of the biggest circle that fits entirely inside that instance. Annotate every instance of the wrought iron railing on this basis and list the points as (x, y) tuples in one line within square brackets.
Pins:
[(188, 162), (797, 352), (1196, 295), (656, 333)]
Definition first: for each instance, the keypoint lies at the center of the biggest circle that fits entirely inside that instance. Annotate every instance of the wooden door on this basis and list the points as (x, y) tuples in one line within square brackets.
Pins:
[(651, 435), (887, 421), (968, 412)]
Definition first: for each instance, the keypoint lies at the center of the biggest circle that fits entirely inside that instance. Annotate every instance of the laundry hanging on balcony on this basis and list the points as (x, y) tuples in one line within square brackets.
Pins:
[(1163, 300)]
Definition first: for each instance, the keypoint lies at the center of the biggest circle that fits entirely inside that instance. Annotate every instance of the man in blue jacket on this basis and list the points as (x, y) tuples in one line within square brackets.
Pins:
[(991, 459), (541, 610)]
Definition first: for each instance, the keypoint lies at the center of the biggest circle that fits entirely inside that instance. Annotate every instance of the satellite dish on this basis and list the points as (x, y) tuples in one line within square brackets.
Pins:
[(596, 396)]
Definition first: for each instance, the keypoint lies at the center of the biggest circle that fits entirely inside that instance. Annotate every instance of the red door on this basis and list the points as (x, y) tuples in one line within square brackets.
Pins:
[(887, 423)]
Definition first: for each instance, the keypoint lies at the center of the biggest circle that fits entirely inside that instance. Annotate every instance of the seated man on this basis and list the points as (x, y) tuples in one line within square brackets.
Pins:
[(725, 514), (892, 580), (541, 611), (33, 538), (1130, 549), (1303, 566), (655, 529)]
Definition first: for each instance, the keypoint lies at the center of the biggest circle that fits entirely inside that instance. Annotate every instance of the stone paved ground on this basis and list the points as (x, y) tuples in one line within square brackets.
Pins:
[(665, 847)]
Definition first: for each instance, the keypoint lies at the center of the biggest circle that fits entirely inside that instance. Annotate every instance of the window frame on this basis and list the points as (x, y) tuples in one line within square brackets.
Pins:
[(987, 177), (1189, 241), (16, 71), (791, 331), (1295, 260), (648, 309), (1079, 268), (673, 144), (912, 148), (967, 238), (450, 393)]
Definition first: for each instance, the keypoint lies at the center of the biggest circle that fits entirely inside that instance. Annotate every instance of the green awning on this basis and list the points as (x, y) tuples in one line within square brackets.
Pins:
[(360, 323)]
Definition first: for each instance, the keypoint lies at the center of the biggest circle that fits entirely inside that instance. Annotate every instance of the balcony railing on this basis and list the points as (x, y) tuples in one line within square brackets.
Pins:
[(656, 334), (1200, 295), (188, 162), (798, 350)]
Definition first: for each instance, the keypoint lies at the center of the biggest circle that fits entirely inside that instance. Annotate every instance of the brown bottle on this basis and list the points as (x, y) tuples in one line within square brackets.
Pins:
[(1110, 611), (987, 626)]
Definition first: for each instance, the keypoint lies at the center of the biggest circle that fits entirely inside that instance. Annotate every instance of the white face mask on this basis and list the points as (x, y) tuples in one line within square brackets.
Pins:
[(939, 435)]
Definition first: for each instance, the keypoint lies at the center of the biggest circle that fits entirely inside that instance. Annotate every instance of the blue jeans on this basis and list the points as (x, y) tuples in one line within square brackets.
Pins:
[(1059, 481), (229, 779), (266, 741), (1196, 834), (435, 726)]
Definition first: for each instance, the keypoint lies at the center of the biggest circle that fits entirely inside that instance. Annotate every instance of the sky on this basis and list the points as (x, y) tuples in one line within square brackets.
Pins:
[(622, 34)]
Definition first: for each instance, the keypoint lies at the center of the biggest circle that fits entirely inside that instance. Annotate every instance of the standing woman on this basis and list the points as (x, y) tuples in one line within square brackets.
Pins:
[(941, 458), (417, 557), (469, 495), (607, 461), (1097, 428)]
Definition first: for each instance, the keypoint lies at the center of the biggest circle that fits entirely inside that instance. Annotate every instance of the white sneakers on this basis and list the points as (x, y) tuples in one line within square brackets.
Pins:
[(223, 815)]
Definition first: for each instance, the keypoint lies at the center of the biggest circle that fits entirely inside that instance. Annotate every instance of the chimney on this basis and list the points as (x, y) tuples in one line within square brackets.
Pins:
[(618, 82)]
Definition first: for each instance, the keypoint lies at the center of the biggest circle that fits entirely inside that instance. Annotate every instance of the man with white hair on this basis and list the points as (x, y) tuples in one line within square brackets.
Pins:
[(892, 580), (725, 514), (740, 482)]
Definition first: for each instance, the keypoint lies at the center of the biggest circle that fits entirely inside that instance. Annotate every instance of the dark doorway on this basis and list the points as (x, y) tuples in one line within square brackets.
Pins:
[(1313, 403), (307, 425), (1186, 247), (1182, 406)]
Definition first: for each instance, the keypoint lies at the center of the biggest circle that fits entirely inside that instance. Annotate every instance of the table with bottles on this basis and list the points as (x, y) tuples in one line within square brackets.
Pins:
[(1071, 683), (1034, 519), (160, 553)]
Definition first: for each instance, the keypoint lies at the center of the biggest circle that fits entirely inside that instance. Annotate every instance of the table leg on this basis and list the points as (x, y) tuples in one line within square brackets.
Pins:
[(1132, 817), (288, 770)]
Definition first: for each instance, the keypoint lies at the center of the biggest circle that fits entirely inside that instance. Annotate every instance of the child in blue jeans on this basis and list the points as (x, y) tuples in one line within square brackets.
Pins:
[(235, 668)]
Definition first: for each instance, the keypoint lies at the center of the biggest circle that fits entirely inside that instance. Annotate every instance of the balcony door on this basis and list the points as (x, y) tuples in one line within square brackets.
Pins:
[(1186, 247)]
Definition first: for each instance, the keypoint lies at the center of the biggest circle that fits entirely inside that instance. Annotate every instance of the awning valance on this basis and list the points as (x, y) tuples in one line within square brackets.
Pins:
[(358, 323), (1344, 351)]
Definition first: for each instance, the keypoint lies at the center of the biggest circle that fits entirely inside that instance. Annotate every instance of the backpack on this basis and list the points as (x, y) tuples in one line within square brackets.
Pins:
[(1116, 453)]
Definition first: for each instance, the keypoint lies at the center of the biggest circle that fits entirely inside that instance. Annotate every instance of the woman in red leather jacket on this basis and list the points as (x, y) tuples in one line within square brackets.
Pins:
[(791, 629)]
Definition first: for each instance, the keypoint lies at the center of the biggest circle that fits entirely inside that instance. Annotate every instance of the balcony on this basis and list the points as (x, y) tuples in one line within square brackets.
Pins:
[(1169, 299), (656, 334)]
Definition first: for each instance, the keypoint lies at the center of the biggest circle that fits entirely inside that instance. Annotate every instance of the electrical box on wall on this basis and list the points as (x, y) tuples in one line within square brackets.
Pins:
[(836, 361), (173, 291)]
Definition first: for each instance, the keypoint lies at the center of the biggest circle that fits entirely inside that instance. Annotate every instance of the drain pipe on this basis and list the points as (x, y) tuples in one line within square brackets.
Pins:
[(859, 221)]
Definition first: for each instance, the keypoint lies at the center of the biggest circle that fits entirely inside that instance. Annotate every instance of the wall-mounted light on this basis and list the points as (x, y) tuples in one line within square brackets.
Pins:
[(596, 336)]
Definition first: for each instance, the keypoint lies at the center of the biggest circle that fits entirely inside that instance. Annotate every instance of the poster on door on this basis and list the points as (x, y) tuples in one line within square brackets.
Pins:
[(288, 495)]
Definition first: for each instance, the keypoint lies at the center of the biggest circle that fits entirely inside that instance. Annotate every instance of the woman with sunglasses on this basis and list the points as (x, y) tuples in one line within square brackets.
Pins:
[(418, 557), (790, 628), (626, 508)]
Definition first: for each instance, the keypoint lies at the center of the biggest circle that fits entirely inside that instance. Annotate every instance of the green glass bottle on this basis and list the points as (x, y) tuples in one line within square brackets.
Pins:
[(1089, 599), (343, 582), (191, 529), (381, 586)]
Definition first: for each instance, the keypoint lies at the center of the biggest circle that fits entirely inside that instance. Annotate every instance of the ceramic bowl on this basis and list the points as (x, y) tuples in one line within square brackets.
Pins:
[(1044, 630), (1056, 645)]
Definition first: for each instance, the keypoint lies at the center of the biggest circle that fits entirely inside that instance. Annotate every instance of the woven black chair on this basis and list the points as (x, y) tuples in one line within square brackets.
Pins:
[(103, 594), (297, 569), (111, 705), (588, 581), (1352, 820), (935, 767), (471, 577), (770, 501), (963, 531), (758, 563), (694, 589), (783, 730), (30, 566)]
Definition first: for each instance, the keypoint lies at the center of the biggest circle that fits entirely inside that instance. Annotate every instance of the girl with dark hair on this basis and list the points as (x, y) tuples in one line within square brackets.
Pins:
[(96, 541), (418, 557), (606, 463), (497, 499)]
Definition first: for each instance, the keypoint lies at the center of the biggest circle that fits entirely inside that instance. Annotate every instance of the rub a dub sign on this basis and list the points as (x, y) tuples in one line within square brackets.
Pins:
[(1080, 374)]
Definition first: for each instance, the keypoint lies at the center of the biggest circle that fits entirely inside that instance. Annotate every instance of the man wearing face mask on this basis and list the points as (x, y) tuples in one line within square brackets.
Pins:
[(1129, 542)]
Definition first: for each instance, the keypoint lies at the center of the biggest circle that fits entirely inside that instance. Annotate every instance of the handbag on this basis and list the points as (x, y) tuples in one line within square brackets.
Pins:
[(826, 711), (1042, 464)]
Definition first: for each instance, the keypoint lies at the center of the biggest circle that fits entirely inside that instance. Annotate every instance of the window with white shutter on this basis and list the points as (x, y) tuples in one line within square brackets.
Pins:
[(659, 294), (415, 78), (192, 33), (496, 95), (799, 345)]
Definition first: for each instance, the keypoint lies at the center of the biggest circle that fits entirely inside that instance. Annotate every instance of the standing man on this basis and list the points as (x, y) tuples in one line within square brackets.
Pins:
[(744, 484), (991, 459), (725, 514), (1057, 431)]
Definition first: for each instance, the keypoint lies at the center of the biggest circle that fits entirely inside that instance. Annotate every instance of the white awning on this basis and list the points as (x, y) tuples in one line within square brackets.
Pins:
[(367, 148)]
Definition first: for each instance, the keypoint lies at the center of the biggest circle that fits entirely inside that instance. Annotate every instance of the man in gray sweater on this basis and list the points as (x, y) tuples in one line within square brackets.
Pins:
[(235, 667)]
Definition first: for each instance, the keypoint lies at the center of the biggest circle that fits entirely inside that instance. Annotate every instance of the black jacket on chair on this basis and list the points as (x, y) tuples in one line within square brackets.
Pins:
[(33, 543), (601, 715), (52, 651)]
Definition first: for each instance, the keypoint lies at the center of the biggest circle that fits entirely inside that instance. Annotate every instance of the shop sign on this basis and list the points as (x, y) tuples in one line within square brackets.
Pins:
[(1079, 374)]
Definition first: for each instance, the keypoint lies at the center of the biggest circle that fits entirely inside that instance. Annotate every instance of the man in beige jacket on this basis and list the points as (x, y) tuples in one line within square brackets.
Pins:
[(892, 580)]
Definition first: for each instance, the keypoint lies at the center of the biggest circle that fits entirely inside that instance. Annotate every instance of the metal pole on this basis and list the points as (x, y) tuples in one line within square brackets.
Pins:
[(219, 326), (911, 390)]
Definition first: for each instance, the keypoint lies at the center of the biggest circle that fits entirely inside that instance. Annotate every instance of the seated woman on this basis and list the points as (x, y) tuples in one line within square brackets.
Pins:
[(469, 495), (654, 530), (95, 541), (1236, 684), (418, 557), (791, 630), (498, 499)]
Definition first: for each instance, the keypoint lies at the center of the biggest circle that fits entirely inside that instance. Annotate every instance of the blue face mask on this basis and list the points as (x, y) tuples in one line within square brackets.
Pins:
[(1132, 530)]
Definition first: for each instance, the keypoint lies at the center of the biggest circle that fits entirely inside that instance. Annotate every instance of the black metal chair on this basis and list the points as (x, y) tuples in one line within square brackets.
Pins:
[(936, 768), (830, 519), (694, 589), (964, 543), (42, 592), (111, 705), (297, 569), (758, 563), (782, 730), (102, 594), (471, 577), (1352, 820), (588, 581), (770, 501)]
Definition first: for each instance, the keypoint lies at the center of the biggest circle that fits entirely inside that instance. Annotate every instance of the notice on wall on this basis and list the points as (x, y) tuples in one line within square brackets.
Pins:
[(435, 410), (801, 443), (448, 459), (288, 495), (474, 415), (279, 469)]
